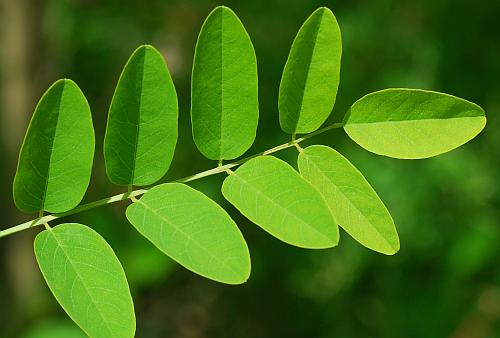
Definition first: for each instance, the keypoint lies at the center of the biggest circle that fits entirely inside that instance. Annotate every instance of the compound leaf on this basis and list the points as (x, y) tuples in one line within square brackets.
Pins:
[(87, 279), (142, 124), (274, 196), (412, 123), (350, 197), (224, 94), (56, 157), (311, 76), (193, 230)]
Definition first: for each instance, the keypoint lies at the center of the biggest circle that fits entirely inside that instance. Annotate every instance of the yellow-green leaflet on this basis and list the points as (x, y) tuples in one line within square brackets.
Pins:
[(86, 278), (142, 124), (355, 204), (55, 161), (224, 95), (193, 230), (311, 76), (274, 196), (412, 123)]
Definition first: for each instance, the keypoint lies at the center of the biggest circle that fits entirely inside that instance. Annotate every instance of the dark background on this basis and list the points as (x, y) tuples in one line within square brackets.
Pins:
[(443, 283)]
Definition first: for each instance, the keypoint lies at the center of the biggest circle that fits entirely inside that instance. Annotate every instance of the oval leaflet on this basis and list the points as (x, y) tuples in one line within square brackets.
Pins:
[(355, 204), (55, 161), (193, 230), (412, 123), (311, 77), (274, 196), (141, 133), (87, 279), (224, 93)]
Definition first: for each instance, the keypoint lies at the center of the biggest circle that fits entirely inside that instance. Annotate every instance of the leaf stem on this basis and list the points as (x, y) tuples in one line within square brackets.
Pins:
[(132, 194)]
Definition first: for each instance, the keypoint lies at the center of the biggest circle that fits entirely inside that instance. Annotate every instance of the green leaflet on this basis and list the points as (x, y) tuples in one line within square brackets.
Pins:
[(56, 157), (274, 196), (350, 197), (412, 123), (87, 279), (142, 124), (224, 94), (312, 74), (193, 230)]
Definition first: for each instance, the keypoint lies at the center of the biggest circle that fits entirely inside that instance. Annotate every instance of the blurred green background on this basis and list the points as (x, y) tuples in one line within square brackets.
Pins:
[(445, 281)]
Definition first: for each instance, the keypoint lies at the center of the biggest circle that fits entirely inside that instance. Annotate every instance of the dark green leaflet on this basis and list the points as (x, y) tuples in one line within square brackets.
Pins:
[(312, 74), (142, 125), (224, 94), (55, 161)]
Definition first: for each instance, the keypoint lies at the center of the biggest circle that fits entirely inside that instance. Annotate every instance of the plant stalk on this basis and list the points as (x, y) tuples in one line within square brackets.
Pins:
[(134, 193)]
